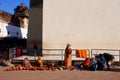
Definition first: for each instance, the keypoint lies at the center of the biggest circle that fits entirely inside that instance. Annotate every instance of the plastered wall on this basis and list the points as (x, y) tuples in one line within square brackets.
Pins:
[(82, 23)]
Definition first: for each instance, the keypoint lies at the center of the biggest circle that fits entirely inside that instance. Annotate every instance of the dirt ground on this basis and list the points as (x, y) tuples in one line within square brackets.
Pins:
[(59, 75)]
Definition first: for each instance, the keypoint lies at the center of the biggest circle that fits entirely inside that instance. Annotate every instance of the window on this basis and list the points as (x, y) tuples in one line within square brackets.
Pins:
[(8, 32), (17, 33)]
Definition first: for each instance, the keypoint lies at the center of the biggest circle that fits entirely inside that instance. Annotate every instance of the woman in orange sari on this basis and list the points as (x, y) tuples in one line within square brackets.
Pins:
[(68, 57)]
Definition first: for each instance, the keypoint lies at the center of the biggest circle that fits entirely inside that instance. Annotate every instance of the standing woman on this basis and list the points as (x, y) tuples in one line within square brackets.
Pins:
[(68, 57)]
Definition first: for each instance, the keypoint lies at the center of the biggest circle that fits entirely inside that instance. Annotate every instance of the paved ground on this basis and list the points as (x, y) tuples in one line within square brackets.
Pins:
[(59, 75)]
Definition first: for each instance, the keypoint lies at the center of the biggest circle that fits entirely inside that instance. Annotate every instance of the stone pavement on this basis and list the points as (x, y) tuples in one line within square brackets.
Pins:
[(59, 75)]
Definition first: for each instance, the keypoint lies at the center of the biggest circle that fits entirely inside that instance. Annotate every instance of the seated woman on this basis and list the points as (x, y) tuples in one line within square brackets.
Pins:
[(109, 58), (40, 63), (26, 63), (101, 62), (86, 63), (6, 62), (93, 64)]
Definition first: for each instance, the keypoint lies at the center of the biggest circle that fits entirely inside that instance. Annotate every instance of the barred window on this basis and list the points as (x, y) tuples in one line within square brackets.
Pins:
[(17, 33), (8, 32)]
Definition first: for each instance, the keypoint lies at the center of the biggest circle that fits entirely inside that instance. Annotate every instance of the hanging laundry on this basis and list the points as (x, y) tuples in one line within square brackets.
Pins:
[(78, 53), (81, 53), (18, 52)]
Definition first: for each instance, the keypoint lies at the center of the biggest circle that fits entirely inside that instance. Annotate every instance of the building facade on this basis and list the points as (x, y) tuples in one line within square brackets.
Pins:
[(14, 27), (20, 16), (7, 30), (13, 31)]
